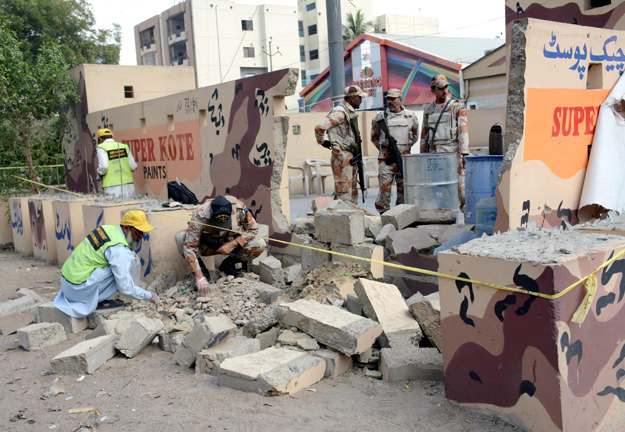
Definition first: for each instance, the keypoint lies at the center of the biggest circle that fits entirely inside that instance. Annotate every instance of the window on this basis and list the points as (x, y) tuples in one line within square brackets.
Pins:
[(312, 77), (310, 6), (314, 54), (312, 29), (599, 3), (472, 105), (248, 52), (304, 81), (302, 53), (129, 92), (247, 25), (300, 27)]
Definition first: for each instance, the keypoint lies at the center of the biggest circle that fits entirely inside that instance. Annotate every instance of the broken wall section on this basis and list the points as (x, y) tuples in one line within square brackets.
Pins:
[(559, 75)]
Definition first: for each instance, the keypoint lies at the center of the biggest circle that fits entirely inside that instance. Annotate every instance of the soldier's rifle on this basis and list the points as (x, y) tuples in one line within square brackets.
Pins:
[(357, 158), (395, 155)]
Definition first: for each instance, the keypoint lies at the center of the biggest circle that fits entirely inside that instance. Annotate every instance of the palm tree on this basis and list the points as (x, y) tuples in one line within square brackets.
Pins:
[(356, 25)]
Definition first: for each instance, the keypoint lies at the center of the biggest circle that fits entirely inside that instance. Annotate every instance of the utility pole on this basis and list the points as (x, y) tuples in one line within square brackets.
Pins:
[(270, 54), (335, 42), (221, 78)]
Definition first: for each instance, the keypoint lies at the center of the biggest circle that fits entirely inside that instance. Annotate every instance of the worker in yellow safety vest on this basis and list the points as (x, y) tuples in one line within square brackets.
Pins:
[(115, 165)]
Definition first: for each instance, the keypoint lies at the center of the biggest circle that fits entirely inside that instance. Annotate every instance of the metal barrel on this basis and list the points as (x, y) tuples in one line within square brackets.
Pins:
[(431, 180)]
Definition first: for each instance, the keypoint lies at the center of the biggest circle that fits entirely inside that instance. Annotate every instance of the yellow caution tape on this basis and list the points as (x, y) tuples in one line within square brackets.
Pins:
[(52, 187), (590, 280)]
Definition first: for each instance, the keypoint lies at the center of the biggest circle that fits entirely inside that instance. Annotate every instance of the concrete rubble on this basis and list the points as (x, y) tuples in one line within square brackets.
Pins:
[(209, 360), (268, 338), (11, 321), (411, 364), (48, 313), (272, 372), (404, 241), (380, 239), (36, 337), (86, 357), (384, 303), (340, 226), (336, 363), (299, 340), (331, 326), (427, 312), (140, 334), (212, 331), (401, 216), (271, 272), (303, 225), (437, 216)]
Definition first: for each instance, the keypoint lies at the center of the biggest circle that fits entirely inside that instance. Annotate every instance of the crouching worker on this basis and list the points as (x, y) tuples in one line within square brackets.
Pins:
[(211, 233), (101, 265)]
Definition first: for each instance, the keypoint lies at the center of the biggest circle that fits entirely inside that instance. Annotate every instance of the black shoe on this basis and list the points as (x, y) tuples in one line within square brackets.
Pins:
[(228, 266)]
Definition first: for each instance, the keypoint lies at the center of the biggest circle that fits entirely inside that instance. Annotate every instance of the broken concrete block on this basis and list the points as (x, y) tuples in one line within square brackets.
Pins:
[(436, 231), (427, 312), (362, 250), (100, 315), (22, 292), (331, 326), (437, 216), (139, 334), (353, 305), (453, 231), (336, 363), (163, 282), (292, 272), (340, 226), (267, 293), (107, 328), (320, 203), (271, 272), (48, 313), (268, 338), (384, 232), (12, 321), (303, 225), (19, 303), (343, 284), (263, 321), (411, 364), (402, 242), (212, 331), (86, 357), (300, 340), (36, 337), (209, 360), (384, 303), (263, 231), (312, 259), (271, 372), (170, 341), (401, 216), (373, 226)]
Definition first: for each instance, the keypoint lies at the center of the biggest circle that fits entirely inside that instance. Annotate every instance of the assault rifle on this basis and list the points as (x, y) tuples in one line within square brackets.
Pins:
[(395, 155), (357, 158)]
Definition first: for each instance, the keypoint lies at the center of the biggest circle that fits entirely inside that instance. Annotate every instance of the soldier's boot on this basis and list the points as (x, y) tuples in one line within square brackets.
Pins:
[(229, 267)]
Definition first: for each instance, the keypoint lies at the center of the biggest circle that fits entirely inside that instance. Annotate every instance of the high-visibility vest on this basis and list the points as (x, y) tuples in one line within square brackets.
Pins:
[(89, 255), (119, 172)]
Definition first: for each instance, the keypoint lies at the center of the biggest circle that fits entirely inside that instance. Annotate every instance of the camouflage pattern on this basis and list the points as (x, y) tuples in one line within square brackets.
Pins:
[(404, 127), (452, 135), (521, 356), (345, 175), (439, 80), (188, 241), (225, 138), (342, 137)]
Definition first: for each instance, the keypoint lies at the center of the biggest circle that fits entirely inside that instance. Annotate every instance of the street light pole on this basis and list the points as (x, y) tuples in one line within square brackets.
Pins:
[(335, 42)]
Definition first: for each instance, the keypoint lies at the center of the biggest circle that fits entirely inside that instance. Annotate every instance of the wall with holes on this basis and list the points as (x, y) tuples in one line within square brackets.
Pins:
[(223, 139), (559, 74)]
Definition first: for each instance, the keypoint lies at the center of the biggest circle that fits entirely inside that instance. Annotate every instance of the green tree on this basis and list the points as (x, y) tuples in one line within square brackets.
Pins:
[(356, 25), (32, 93), (68, 23)]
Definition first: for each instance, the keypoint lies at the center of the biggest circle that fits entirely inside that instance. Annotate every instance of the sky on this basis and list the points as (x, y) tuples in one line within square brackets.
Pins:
[(458, 18)]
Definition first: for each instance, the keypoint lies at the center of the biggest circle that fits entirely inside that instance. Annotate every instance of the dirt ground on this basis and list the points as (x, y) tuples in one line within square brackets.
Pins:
[(152, 393)]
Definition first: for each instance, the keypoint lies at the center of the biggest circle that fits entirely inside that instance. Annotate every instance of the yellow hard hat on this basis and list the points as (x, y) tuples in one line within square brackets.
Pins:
[(137, 219), (102, 132)]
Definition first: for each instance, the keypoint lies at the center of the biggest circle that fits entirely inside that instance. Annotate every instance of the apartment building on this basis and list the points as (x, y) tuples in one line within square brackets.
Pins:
[(225, 41)]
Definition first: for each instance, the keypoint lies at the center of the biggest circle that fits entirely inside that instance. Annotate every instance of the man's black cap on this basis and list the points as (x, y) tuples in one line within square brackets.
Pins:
[(221, 213)]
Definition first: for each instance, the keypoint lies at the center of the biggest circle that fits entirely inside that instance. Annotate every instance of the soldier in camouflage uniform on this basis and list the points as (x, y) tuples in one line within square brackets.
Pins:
[(452, 134), (202, 240), (342, 141), (403, 125)]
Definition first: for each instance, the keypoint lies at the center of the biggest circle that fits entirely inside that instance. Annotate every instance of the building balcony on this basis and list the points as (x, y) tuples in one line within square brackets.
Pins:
[(180, 62), (178, 37), (146, 49)]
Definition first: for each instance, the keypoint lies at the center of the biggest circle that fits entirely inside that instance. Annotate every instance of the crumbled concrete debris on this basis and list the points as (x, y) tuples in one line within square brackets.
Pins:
[(271, 272), (268, 338), (538, 246), (427, 312), (336, 363), (303, 225), (292, 272), (52, 392), (12, 321), (384, 232), (404, 241), (340, 226), (330, 279), (261, 322), (437, 216), (373, 226), (411, 364), (369, 251), (372, 373), (139, 335), (86, 357), (163, 282), (19, 303), (300, 340), (36, 337), (211, 331), (209, 360), (312, 259), (320, 203), (23, 292)]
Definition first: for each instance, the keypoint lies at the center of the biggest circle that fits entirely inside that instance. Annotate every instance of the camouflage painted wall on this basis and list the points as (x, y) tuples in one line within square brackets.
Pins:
[(559, 75), (227, 138), (20, 225), (42, 228), (521, 356)]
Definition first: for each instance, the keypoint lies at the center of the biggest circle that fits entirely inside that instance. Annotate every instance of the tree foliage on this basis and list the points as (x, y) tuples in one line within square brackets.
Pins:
[(68, 23), (32, 93), (356, 25)]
